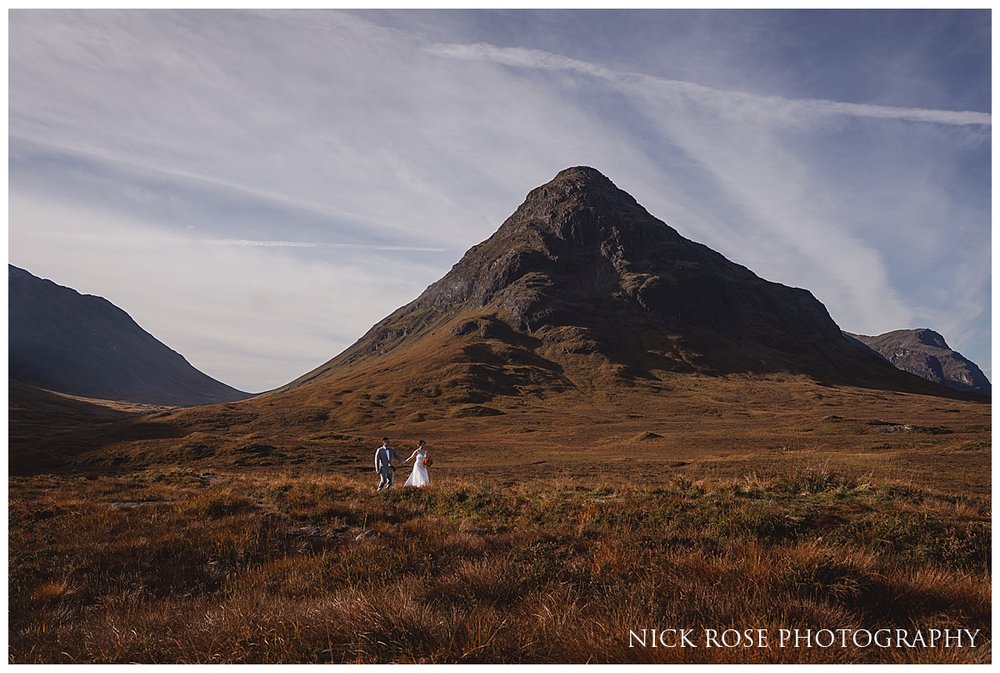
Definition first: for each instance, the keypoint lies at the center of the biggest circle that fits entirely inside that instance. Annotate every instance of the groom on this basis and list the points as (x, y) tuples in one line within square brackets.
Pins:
[(384, 455)]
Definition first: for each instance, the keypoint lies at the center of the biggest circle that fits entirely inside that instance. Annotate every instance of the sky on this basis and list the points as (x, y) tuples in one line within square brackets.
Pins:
[(257, 188)]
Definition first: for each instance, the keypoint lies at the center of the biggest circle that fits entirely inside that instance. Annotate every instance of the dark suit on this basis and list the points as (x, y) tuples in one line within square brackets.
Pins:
[(384, 455)]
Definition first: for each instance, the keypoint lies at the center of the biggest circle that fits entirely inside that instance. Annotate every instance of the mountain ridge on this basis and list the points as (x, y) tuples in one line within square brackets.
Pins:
[(68, 342)]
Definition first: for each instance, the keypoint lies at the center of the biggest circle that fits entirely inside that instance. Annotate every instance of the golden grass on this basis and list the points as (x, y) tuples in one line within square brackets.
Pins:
[(176, 565), (550, 530)]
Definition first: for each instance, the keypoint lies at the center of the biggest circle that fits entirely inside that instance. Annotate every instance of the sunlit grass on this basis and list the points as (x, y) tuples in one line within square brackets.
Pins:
[(177, 566)]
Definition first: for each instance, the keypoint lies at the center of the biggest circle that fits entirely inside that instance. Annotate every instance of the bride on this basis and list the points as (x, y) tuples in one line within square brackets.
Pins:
[(419, 475)]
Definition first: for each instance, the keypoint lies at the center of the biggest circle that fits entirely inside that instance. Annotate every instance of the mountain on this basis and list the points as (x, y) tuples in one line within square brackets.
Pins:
[(84, 345), (582, 289), (583, 327), (925, 353)]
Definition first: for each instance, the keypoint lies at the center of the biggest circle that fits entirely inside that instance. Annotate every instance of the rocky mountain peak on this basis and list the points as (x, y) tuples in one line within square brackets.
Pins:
[(582, 284), (580, 183), (929, 337), (582, 206)]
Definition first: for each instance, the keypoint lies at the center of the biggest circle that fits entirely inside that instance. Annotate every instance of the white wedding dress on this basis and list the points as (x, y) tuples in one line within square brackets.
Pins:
[(419, 476)]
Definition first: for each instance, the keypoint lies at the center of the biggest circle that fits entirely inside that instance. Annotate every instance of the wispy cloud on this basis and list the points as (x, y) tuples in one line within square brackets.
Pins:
[(242, 242), (260, 244), (151, 238), (732, 103), (133, 162)]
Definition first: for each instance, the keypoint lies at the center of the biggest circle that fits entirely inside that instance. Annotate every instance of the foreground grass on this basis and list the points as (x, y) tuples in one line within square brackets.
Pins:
[(177, 566)]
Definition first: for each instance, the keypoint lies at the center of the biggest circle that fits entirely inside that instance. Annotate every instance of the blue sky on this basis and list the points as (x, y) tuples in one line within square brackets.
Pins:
[(258, 188)]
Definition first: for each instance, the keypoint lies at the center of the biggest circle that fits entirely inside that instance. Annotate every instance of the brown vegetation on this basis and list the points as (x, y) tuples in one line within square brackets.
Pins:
[(502, 564), (251, 532)]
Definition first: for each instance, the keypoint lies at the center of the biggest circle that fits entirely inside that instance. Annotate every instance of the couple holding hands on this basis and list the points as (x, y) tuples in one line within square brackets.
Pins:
[(385, 454)]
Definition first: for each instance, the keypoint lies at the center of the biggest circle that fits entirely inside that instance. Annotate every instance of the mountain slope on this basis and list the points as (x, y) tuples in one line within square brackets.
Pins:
[(84, 345), (925, 353)]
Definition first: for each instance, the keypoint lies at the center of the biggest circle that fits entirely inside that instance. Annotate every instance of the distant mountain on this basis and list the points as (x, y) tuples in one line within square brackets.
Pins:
[(924, 352), (84, 345), (582, 289)]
